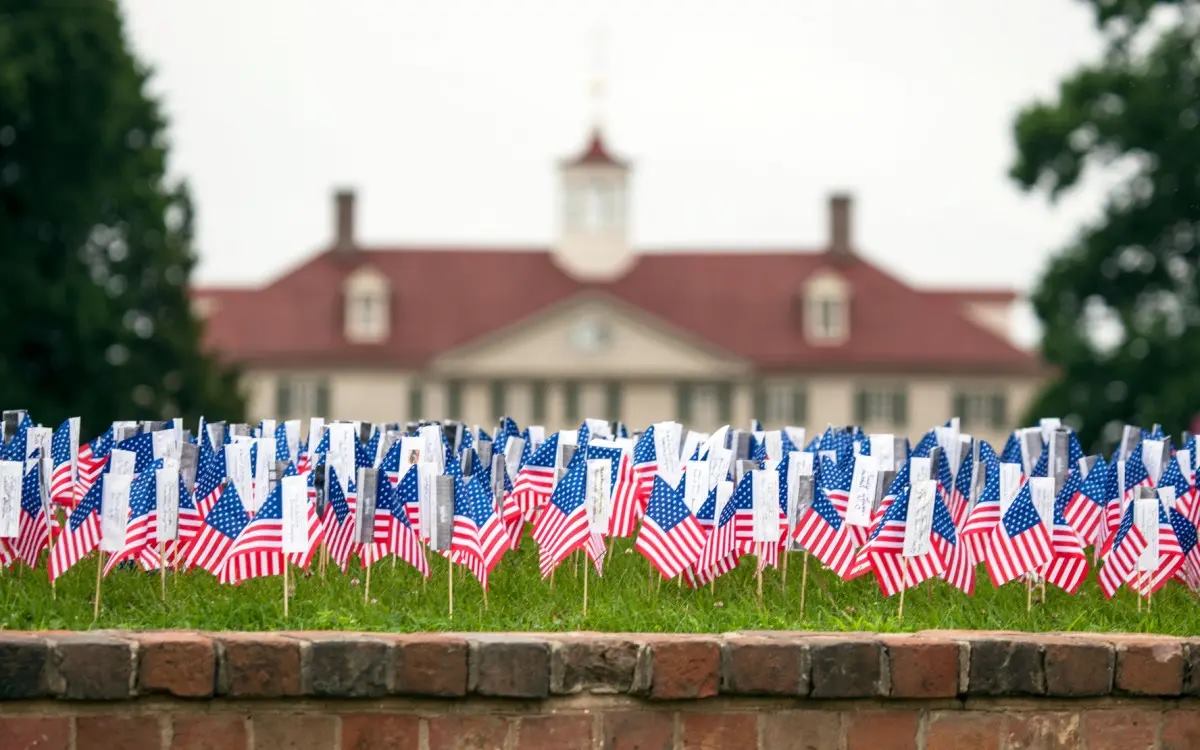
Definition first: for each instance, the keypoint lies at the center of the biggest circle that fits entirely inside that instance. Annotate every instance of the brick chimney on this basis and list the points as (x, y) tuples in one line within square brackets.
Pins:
[(343, 216), (840, 242)]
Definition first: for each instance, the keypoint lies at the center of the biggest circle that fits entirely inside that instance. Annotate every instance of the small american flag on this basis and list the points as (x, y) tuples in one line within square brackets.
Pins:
[(822, 530), (402, 539), (258, 550), (1120, 559), (223, 524), (33, 533), (722, 546), (564, 527), (885, 548), (1085, 509), (1135, 476), (140, 525), (339, 521), (1185, 533), (985, 516), (62, 479), (91, 460), (1068, 565), (1020, 543), (670, 536), (81, 535), (645, 467), (535, 481), (1170, 557), (479, 539)]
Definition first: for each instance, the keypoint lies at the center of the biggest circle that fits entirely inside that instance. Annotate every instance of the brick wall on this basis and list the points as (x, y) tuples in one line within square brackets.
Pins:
[(943, 689)]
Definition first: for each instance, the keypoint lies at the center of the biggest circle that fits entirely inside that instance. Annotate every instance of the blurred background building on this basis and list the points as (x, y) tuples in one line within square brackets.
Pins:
[(592, 326)]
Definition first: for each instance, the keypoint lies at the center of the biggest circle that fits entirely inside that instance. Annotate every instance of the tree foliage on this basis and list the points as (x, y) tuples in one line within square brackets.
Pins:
[(95, 240), (1120, 306)]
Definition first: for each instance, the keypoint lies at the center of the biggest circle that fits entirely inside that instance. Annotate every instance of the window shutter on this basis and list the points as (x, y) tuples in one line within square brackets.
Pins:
[(498, 398), (999, 410), (959, 408), (416, 401), (571, 401), (900, 407), (760, 403), (860, 406), (799, 405), (724, 402), (612, 397), (283, 398), (323, 399), (453, 398), (683, 402), (537, 397)]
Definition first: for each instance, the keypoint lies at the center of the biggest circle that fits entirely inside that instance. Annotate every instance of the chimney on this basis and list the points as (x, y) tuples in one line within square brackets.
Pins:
[(343, 209), (840, 243)]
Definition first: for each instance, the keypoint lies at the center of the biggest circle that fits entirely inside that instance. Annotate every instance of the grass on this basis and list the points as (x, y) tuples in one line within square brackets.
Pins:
[(625, 599)]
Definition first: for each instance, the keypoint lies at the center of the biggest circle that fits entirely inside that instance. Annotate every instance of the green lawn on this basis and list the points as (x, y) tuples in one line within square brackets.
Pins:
[(625, 599)]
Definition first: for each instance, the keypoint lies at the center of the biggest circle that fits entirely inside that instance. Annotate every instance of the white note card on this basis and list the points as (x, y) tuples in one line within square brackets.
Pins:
[(1152, 457), (920, 518), (1041, 489), (10, 497), (1010, 484), (862, 492), (114, 511), (920, 468), (765, 484), (1145, 517), (294, 491), (166, 489), (598, 494), (883, 448), (427, 474), (695, 484)]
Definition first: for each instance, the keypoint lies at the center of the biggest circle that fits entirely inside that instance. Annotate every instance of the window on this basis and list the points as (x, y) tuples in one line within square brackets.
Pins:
[(416, 401), (781, 403), (301, 397), (826, 309), (499, 392), (537, 401), (454, 390), (367, 314), (612, 401), (705, 404), (885, 404), (571, 401), (981, 408)]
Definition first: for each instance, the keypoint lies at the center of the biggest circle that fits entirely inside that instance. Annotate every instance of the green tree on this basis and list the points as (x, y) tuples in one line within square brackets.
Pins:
[(95, 240), (1120, 306)]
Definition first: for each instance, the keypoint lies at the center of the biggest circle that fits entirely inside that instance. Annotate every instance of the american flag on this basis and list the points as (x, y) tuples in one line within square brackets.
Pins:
[(33, 533), (258, 549), (1135, 476), (479, 539), (15, 448), (645, 468), (985, 516), (564, 527), (959, 497), (722, 546), (403, 540), (142, 446), (62, 479), (1185, 533), (223, 524), (141, 524), (210, 476), (822, 529), (628, 505), (91, 460), (1085, 509), (885, 548), (670, 536), (1020, 543), (1068, 566), (1170, 558), (1120, 559), (1011, 453), (81, 535), (7, 554), (707, 566), (339, 521), (535, 480), (507, 429)]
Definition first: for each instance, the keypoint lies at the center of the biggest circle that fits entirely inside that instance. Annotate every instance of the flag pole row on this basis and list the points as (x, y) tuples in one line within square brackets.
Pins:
[(241, 502)]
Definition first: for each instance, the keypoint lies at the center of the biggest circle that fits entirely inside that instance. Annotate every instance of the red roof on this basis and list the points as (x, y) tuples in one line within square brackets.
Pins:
[(746, 303), (595, 153)]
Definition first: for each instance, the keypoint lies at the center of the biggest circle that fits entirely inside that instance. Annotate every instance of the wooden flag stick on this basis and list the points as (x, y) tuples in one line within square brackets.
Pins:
[(485, 598), (285, 587), (162, 571), (585, 587), (367, 587), (759, 587), (903, 583), (52, 517), (450, 584), (803, 581), (1043, 592), (1028, 594), (783, 577), (99, 571)]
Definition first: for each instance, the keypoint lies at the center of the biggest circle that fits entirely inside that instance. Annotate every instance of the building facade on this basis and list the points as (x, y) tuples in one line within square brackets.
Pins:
[(593, 327)]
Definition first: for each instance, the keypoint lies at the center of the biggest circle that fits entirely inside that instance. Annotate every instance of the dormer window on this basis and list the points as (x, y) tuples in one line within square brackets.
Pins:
[(367, 306), (826, 309)]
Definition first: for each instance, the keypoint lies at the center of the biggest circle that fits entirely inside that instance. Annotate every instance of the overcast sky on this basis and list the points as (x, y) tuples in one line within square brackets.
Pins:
[(740, 117)]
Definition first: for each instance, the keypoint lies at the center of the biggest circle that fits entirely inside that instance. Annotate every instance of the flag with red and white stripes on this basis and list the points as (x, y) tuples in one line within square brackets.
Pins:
[(33, 530), (670, 536), (535, 480), (1121, 555), (223, 524), (1020, 543), (258, 549), (564, 526), (479, 539), (1068, 565), (63, 485), (81, 534)]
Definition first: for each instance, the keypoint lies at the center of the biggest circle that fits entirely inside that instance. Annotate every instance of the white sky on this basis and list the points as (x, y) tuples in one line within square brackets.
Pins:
[(740, 117)]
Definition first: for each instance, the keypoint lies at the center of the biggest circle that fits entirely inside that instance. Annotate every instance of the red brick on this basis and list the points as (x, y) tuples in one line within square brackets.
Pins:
[(182, 664), (258, 665), (563, 730), (954, 730), (294, 731), (467, 732), (209, 732), (126, 732), (1181, 730), (1078, 666), (755, 665), (1120, 729), (639, 730), (1058, 730), (685, 668), (923, 667), (379, 731), (801, 730), (1150, 666), (718, 731), (30, 732), (429, 665), (881, 730)]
